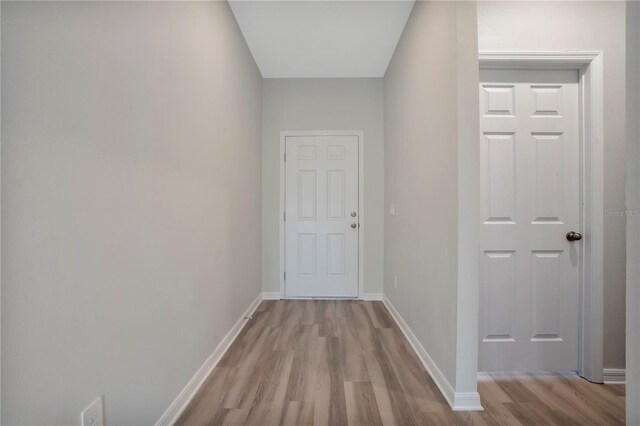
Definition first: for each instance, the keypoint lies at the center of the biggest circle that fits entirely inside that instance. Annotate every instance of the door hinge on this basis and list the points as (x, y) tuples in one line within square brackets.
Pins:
[(285, 275), (284, 216), (285, 157)]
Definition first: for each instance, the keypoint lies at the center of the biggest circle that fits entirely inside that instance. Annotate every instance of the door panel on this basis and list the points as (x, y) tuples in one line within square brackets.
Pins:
[(500, 152), (335, 255), (547, 181), (307, 196), (530, 165), (546, 280), (321, 246), (500, 270), (307, 244), (335, 195)]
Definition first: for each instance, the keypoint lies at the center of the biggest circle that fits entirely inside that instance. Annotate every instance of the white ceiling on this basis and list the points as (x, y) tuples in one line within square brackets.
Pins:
[(290, 39)]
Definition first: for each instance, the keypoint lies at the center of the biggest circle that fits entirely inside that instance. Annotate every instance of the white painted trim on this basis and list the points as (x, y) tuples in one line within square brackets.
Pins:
[(459, 401), (632, 203), (592, 294), (467, 401), (282, 230), (0, 253), (614, 376), (186, 395), (271, 295), (536, 60), (372, 296), (591, 72), (320, 298)]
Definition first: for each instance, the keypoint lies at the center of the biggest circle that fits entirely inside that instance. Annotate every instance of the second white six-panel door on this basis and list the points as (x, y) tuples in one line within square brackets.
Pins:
[(530, 199), (321, 216)]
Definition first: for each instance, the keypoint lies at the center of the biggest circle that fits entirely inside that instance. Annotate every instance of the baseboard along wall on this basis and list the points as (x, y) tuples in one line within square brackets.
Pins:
[(459, 401), (271, 296), (186, 395), (276, 296), (614, 376)]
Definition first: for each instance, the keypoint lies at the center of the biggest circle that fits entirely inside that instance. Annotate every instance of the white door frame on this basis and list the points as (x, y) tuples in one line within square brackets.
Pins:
[(361, 228), (590, 68)]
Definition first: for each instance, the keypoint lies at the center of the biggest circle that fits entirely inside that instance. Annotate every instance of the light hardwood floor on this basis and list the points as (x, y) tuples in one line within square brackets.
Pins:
[(303, 362)]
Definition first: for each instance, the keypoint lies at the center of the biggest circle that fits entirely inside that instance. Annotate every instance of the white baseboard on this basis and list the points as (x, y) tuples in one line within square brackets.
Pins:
[(467, 401), (614, 376), (276, 296), (372, 296), (186, 395), (459, 401), (271, 296)]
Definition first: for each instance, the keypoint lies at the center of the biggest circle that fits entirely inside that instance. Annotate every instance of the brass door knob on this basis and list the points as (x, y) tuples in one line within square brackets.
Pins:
[(574, 236), (353, 225)]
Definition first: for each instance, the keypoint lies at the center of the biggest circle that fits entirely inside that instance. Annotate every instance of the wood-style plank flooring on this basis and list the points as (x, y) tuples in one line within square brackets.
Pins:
[(311, 362)]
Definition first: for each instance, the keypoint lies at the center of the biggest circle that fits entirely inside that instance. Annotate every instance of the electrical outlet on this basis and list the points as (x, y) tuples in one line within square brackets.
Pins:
[(395, 282), (392, 209), (92, 415)]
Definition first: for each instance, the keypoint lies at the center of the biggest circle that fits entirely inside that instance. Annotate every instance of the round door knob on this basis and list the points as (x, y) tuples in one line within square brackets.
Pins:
[(353, 225), (574, 236)]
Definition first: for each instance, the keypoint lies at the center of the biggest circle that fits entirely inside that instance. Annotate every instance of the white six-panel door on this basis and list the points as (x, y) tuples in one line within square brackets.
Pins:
[(321, 216), (530, 199)]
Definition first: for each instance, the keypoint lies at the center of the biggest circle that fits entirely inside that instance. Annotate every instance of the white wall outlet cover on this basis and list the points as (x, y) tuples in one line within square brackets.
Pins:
[(92, 415)]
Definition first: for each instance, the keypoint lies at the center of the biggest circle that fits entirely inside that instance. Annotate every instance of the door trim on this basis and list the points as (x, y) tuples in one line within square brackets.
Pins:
[(282, 228), (591, 88)]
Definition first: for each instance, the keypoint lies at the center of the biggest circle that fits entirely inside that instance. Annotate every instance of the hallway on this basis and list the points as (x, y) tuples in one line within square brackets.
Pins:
[(400, 193), (302, 362)]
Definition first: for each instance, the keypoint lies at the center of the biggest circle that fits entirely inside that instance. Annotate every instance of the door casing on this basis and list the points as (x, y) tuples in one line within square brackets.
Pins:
[(591, 122), (361, 212)]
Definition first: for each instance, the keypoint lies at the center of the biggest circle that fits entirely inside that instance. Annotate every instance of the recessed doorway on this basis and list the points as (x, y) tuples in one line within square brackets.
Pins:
[(322, 214)]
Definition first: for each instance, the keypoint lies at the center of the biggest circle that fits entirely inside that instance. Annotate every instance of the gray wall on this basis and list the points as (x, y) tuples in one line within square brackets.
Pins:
[(324, 104), (551, 26), (431, 112), (633, 220), (130, 202)]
